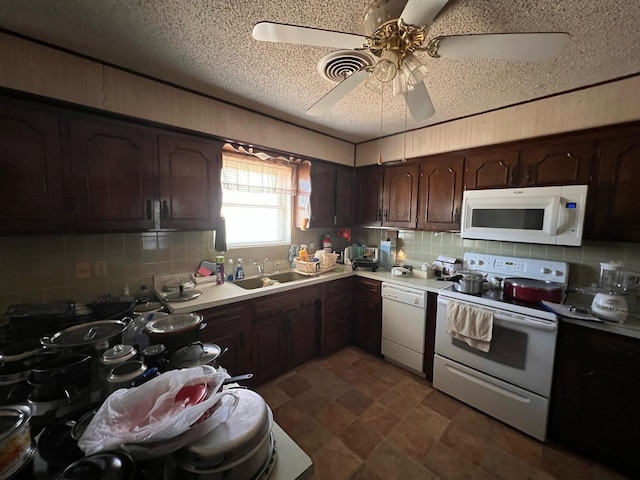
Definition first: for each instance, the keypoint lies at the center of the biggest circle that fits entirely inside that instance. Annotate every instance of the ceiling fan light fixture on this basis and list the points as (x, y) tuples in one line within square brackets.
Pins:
[(386, 68), (414, 70)]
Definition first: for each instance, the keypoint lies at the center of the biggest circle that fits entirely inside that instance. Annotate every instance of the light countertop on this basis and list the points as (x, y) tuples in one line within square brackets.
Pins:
[(217, 295)]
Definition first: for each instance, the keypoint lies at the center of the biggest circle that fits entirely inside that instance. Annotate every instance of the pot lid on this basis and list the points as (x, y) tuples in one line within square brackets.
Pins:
[(147, 307), (126, 371), (88, 333), (196, 354), (174, 285), (174, 323), (118, 353), (470, 275), (182, 296), (533, 284)]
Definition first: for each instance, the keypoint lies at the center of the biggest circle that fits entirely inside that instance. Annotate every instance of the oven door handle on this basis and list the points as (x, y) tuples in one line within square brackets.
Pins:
[(529, 323)]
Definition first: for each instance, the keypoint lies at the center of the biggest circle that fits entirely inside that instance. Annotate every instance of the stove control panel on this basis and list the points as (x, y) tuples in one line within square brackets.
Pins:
[(538, 269)]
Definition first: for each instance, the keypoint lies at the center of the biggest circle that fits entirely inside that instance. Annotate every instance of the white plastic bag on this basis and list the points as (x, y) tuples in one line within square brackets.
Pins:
[(149, 417)]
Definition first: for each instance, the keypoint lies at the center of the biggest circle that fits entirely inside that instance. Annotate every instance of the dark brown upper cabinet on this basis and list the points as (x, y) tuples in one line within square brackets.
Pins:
[(31, 184), (400, 199), (557, 162), (491, 170), (368, 196), (190, 195), (113, 172), (331, 195), (440, 193), (616, 202)]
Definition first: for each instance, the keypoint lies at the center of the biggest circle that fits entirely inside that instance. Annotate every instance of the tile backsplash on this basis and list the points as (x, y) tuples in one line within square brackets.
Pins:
[(37, 268), (424, 247)]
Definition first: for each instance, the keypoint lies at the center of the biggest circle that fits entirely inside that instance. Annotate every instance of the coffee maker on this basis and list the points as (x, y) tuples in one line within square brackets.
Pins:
[(615, 283)]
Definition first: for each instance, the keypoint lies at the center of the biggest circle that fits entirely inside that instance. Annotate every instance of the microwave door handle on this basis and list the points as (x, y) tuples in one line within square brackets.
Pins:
[(555, 213)]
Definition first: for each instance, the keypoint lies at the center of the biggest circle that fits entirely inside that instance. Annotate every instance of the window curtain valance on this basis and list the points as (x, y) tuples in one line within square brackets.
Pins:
[(245, 173)]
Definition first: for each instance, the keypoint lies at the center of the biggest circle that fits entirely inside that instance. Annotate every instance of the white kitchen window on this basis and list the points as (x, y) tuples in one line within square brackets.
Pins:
[(256, 200)]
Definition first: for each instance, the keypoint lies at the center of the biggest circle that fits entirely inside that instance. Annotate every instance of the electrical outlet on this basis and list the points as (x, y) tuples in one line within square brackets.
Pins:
[(100, 268), (83, 270)]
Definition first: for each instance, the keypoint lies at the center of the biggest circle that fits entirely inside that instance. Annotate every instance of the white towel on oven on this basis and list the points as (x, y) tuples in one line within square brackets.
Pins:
[(474, 326)]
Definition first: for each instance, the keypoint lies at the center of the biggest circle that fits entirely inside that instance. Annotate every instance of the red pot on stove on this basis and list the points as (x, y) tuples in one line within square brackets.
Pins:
[(530, 290)]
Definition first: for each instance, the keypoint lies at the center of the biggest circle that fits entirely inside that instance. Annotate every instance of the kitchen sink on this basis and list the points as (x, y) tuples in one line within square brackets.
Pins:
[(258, 282)]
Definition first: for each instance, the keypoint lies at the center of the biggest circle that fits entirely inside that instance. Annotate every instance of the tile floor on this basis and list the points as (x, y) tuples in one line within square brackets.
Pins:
[(361, 418)]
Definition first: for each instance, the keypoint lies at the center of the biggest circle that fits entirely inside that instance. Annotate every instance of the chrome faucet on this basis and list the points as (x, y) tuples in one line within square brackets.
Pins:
[(261, 267)]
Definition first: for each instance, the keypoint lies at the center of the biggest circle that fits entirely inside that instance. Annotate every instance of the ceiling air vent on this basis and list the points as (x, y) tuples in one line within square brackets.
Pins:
[(337, 66)]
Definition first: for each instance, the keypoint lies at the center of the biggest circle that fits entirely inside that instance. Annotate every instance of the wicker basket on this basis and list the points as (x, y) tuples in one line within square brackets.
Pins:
[(315, 268)]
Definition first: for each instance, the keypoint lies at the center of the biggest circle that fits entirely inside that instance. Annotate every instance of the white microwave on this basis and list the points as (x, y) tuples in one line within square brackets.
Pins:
[(547, 215)]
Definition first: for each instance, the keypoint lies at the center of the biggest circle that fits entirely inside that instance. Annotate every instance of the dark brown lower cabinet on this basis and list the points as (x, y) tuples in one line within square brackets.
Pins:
[(337, 326), (596, 396), (285, 331), (229, 327), (367, 324)]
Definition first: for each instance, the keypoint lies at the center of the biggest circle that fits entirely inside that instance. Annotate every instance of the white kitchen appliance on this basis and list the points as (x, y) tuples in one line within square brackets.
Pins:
[(615, 282), (353, 252), (547, 215), (404, 320), (511, 381)]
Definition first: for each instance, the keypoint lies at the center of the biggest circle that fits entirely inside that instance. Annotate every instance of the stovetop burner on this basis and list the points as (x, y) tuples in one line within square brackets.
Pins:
[(505, 267)]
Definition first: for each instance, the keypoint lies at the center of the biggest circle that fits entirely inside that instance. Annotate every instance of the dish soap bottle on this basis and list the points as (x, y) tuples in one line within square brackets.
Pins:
[(239, 270)]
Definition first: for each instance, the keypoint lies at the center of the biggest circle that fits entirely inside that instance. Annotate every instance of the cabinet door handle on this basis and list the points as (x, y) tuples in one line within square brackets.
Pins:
[(335, 219), (456, 215), (165, 210), (385, 215), (148, 209)]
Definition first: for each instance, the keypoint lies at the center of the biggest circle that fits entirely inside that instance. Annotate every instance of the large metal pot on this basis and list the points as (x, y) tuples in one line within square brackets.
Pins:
[(91, 337), (16, 445), (174, 331), (101, 466), (530, 290), (241, 448)]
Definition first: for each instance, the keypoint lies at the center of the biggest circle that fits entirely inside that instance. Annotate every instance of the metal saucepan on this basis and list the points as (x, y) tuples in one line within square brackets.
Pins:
[(530, 290), (15, 437), (467, 282), (197, 353)]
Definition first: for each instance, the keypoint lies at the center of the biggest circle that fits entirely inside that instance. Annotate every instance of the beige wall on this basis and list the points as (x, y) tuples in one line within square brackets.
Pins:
[(608, 104), (40, 70)]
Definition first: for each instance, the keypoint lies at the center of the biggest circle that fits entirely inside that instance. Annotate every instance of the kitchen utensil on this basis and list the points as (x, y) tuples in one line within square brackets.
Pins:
[(155, 356), (238, 448), (197, 353), (61, 370), (174, 284), (610, 306), (117, 355), (125, 375), (182, 295), (237, 378), (101, 466), (147, 307), (27, 351), (92, 337), (175, 330), (365, 262), (16, 445), (530, 290), (467, 282)]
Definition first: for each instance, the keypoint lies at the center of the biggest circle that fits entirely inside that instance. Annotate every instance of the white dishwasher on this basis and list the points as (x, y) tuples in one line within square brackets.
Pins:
[(404, 319)]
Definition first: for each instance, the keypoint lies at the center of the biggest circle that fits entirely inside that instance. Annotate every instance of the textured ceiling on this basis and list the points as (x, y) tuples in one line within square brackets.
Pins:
[(206, 45)]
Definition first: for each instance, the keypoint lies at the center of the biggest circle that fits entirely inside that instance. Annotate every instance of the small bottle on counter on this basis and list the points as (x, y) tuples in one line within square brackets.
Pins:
[(239, 270), (220, 270), (230, 271)]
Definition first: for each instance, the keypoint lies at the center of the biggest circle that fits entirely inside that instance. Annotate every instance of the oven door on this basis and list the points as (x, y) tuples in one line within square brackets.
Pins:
[(522, 348)]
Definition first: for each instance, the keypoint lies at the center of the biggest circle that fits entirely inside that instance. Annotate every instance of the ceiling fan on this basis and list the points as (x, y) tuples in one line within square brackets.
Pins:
[(394, 30)]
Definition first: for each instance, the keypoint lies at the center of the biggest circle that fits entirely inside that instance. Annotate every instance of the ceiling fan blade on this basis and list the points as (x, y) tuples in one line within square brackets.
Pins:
[(283, 33), (530, 47), (419, 102), (338, 92), (421, 12)]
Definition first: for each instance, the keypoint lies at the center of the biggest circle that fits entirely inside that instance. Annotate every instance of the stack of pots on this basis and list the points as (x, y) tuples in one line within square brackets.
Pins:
[(16, 362)]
